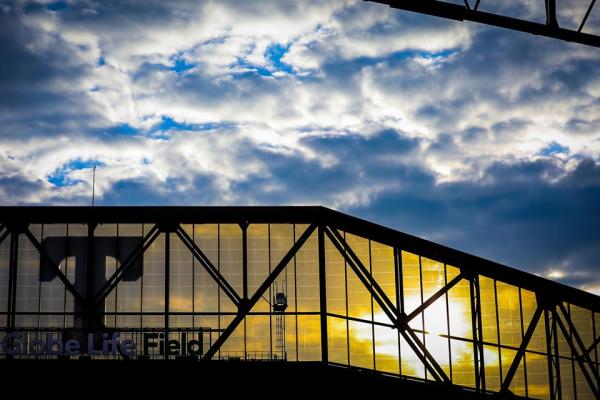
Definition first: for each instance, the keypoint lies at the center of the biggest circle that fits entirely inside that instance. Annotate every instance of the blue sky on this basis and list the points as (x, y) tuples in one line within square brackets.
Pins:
[(479, 138)]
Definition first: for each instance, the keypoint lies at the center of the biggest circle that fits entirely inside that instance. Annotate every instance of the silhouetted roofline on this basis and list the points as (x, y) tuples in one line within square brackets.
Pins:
[(298, 215)]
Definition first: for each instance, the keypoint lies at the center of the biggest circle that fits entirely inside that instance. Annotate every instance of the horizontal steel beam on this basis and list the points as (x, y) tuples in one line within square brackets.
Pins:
[(15, 216), (463, 13)]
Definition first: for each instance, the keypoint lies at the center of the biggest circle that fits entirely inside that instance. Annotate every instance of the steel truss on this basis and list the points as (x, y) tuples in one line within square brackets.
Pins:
[(328, 225), (470, 11)]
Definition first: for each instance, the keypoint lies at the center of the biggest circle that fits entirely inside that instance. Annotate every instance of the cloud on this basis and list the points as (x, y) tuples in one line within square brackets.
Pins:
[(468, 135)]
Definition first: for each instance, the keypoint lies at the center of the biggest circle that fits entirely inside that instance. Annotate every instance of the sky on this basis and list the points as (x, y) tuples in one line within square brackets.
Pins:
[(479, 138)]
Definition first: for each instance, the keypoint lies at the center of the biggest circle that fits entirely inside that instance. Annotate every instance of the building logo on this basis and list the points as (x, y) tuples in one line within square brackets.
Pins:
[(153, 343)]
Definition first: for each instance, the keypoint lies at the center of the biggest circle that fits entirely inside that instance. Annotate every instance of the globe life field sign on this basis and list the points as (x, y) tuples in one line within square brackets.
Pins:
[(93, 344)]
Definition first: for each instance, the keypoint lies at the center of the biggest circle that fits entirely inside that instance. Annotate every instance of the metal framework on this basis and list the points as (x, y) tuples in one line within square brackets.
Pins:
[(470, 11), (564, 340)]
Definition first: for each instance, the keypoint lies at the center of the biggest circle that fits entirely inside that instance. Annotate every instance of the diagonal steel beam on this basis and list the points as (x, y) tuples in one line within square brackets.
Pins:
[(477, 329), (579, 358), (521, 352), (116, 277), (390, 311), (584, 356), (421, 351), (246, 304), (589, 349), (434, 297), (208, 266), (361, 269), (5, 234), (552, 355), (587, 14), (398, 319), (70, 287)]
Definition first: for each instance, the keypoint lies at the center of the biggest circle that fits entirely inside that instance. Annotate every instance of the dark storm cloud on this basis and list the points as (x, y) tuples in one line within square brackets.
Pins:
[(528, 214), (513, 215)]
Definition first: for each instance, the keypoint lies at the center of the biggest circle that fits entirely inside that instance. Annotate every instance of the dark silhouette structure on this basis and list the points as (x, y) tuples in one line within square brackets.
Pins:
[(257, 291), (470, 10)]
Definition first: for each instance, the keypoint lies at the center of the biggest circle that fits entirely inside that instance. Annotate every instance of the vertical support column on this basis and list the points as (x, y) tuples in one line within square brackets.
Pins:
[(89, 276), (552, 350), (244, 227), (551, 13), (323, 296), (477, 328), (167, 289), (12, 280), (399, 297)]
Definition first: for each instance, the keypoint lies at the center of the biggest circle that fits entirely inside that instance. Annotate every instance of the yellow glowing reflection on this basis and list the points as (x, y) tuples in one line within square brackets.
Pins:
[(436, 334)]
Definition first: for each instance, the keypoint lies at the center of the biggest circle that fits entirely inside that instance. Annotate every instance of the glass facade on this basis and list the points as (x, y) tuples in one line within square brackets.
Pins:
[(289, 291)]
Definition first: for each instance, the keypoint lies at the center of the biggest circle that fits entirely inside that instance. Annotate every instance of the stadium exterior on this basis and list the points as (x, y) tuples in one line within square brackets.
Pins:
[(286, 285)]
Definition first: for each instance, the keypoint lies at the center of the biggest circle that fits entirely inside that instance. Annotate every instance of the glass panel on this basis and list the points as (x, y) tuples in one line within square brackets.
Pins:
[(537, 375), (337, 340), (433, 275), (383, 271), (435, 315), (492, 368), (359, 298), (459, 307), (509, 314), (567, 379), (307, 273), (582, 319), (209, 324), (181, 291), (583, 388), (129, 291), (336, 279), (291, 337), (52, 291), (517, 386), (410, 365), (230, 261), (309, 338), (258, 337), (488, 310), (28, 274), (206, 290), (411, 282), (528, 306), (258, 262), (463, 363), (567, 366), (386, 349), (382, 264), (361, 344), (437, 340), (360, 246), (153, 292), (233, 348), (538, 340)]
